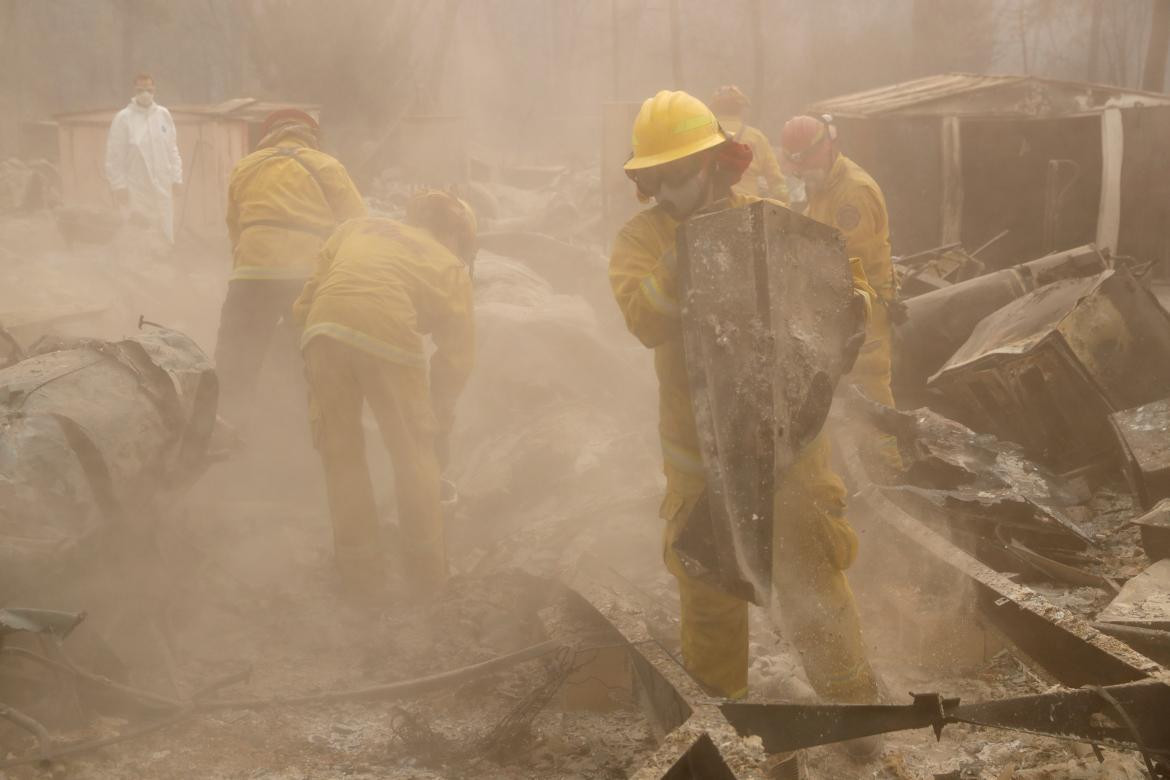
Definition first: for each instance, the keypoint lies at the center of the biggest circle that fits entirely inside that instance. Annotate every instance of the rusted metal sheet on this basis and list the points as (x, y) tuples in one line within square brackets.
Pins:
[(767, 308), (1143, 433), (1046, 370)]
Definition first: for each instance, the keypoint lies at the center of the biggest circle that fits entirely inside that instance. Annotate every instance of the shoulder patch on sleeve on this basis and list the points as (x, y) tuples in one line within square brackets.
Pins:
[(847, 217)]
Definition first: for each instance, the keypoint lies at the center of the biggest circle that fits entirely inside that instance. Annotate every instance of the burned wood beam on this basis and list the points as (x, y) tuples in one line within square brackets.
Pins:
[(786, 727), (1130, 717), (702, 737), (696, 739)]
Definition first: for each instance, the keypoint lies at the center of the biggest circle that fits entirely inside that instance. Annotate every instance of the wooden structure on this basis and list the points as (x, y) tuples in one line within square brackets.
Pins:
[(1057, 164), (212, 138)]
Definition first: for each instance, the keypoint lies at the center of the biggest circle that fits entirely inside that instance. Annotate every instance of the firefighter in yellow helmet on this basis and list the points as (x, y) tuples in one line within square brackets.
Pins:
[(284, 200), (685, 162), (841, 194), (730, 105), (380, 286)]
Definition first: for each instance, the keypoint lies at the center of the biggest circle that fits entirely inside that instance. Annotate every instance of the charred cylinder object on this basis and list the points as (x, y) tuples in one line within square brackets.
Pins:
[(90, 433), (941, 321)]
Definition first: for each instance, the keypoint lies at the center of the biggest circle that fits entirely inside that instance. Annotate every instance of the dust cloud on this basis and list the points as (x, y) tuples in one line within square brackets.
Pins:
[(555, 451)]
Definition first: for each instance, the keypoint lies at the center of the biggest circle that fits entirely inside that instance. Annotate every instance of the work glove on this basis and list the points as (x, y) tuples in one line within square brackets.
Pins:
[(899, 312), (859, 311), (669, 261)]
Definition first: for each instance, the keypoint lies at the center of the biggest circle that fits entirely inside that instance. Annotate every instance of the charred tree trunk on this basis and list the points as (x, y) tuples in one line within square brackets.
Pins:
[(1154, 75), (439, 62), (758, 52), (675, 52), (615, 50), (1094, 40)]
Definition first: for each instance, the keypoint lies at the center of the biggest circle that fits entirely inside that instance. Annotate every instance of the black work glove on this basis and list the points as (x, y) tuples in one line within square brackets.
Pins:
[(856, 341), (669, 261), (899, 312)]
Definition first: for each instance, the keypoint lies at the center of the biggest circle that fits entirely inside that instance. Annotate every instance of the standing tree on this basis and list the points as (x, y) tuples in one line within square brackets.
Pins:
[(356, 58)]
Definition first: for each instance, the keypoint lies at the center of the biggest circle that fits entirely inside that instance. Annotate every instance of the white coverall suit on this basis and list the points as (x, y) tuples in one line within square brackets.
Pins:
[(142, 157)]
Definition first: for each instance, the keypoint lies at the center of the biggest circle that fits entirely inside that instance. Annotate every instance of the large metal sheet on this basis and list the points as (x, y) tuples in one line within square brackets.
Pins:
[(767, 307)]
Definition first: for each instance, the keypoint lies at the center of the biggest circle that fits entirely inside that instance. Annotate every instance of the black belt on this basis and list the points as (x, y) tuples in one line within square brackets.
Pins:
[(320, 232)]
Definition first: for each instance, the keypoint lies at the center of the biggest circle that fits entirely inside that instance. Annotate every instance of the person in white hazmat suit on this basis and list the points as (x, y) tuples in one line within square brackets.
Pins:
[(143, 165)]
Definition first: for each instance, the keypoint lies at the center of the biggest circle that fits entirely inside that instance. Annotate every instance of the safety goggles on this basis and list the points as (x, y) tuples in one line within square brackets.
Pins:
[(650, 180)]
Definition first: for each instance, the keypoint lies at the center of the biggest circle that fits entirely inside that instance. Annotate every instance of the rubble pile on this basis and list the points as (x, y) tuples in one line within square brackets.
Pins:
[(557, 462), (28, 185)]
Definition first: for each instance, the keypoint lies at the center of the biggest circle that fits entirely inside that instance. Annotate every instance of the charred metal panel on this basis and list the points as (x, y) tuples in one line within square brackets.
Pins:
[(987, 486), (1143, 434), (1046, 370), (767, 307)]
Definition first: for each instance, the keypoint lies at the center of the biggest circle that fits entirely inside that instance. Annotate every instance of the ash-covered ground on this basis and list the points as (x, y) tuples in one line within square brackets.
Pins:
[(557, 462)]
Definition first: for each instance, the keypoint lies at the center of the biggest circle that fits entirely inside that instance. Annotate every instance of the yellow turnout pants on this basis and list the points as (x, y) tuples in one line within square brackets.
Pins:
[(340, 378), (813, 545), (871, 374)]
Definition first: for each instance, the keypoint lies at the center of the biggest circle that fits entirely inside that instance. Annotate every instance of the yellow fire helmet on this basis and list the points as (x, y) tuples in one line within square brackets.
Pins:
[(671, 126)]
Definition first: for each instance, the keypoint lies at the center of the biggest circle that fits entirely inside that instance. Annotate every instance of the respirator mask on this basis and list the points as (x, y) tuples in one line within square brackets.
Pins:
[(682, 198)]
